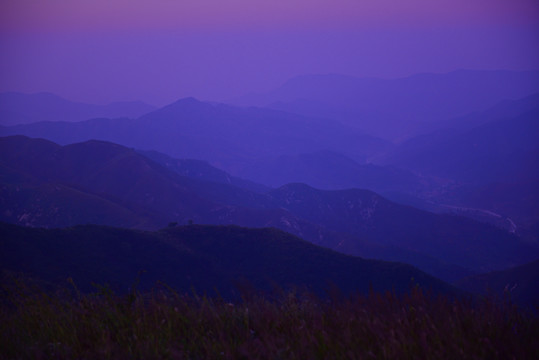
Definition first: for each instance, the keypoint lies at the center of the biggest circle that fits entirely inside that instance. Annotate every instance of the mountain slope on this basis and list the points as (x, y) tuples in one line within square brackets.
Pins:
[(201, 170), (58, 205), (366, 215), (492, 159), (207, 258), (17, 108), (103, 169), (109, 178)]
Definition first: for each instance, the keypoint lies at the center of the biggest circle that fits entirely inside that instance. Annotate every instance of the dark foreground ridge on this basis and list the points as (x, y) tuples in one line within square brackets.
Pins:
[(208, 259)]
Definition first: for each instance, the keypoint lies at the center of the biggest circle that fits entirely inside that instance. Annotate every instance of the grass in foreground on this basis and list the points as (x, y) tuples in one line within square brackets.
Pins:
[(167, 325)]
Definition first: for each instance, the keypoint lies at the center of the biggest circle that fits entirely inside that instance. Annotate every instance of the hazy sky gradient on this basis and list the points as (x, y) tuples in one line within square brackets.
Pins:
[(161, 50)]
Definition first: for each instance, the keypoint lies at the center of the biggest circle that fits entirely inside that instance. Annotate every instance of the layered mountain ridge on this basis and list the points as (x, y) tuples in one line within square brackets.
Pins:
[(39, 178), (397, 109)]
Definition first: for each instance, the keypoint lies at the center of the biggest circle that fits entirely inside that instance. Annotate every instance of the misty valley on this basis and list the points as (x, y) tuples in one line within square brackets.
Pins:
[(332, 203)]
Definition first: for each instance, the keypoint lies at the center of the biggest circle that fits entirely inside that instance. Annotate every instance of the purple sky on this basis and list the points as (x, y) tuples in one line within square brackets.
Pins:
[(161, 50)]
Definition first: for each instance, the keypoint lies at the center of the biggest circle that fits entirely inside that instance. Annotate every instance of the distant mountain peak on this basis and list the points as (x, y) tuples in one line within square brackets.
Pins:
[(187, 101), (398, 108), (184, 106)]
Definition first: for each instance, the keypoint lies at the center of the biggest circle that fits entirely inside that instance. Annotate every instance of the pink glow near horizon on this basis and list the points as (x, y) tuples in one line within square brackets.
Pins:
[(161, 50), (28, 15)]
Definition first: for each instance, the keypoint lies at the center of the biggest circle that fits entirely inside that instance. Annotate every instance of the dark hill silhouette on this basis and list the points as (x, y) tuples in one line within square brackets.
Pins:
[(17, 108), (397, 108), (206, 258)]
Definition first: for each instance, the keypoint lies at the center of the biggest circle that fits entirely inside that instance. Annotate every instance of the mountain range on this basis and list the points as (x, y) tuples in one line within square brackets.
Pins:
[(228, 137), (275, 148), (48, 185), (334, 171), (490, 161), (318, 177), (396, 109)]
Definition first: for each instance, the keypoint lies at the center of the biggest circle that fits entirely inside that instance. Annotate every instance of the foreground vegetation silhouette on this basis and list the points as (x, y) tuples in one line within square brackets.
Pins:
[(163, 324)]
